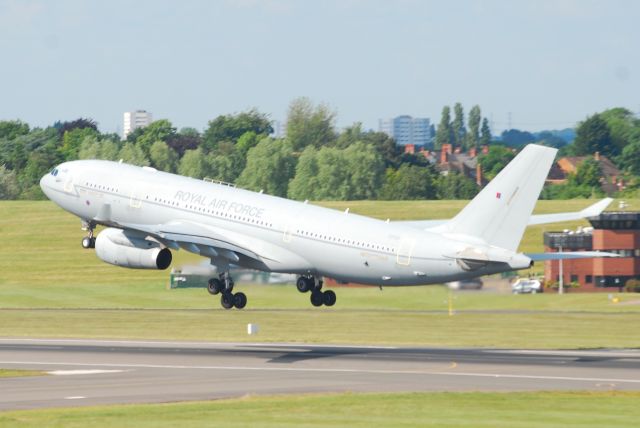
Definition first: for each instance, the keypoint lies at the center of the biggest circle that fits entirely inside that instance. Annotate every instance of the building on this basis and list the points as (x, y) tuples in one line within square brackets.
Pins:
[(407, 130), (134, 120), (615, 232), (610, 182)]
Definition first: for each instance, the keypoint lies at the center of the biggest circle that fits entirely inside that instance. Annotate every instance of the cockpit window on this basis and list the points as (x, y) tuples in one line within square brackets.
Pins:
[(54, 171)]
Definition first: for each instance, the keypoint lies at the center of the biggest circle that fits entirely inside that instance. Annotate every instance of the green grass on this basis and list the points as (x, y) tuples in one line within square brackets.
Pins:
[(557, 409), (534, 330), (43, 267), (20, 373)]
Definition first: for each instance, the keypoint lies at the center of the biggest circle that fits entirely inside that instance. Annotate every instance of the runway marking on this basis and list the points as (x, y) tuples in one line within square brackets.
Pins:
[(214, 344), (75, 397), (327, 370), (81, 372)]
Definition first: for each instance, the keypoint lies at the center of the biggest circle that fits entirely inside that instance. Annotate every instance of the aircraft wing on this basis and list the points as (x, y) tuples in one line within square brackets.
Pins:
[(590, 211), (217, 243)]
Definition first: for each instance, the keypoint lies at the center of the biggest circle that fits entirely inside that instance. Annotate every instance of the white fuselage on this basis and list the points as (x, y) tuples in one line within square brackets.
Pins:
[(287, 236)]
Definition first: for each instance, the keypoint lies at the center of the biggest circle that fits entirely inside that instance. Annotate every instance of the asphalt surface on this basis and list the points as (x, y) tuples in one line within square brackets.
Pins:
[(88, 372)]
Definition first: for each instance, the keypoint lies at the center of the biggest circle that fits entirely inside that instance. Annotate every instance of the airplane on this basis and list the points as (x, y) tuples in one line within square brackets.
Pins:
[(148, 213)]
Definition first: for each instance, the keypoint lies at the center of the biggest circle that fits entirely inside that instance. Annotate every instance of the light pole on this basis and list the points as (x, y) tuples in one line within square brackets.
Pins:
[(561, 280)]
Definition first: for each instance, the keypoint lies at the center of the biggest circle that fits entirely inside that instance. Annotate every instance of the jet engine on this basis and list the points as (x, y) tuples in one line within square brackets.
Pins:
[(131, 249)]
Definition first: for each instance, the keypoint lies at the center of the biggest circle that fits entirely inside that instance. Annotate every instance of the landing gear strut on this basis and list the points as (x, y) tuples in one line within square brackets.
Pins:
[(88, 241), (318, 297), (224, 285)]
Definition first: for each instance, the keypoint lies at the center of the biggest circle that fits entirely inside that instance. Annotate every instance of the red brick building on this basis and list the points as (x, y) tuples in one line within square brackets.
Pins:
[(615, 232)]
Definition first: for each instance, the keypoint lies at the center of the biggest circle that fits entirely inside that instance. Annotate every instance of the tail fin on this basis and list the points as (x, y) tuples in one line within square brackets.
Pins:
[(500, 212)]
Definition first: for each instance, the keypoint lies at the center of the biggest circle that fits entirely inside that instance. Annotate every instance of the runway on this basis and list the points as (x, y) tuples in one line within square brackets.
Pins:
[(89, 372)]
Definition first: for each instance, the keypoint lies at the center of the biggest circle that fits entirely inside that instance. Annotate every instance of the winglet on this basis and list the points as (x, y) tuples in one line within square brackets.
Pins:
[(597, 208)]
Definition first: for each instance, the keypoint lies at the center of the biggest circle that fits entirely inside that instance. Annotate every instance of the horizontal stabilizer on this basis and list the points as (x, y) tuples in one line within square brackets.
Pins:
[(590, 211), (537, 257)]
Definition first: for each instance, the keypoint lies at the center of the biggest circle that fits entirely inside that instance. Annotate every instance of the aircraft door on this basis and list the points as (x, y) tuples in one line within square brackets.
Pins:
[(68, 183), (135, 201), (404, 252)]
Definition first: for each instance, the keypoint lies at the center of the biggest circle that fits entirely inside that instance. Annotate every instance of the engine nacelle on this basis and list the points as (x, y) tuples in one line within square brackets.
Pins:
[(131, 250)]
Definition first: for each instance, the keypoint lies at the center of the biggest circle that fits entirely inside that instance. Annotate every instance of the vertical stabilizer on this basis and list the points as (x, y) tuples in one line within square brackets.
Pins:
[(500, 212)]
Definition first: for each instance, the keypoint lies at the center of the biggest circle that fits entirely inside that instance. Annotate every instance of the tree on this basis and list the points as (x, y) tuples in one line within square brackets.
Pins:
[(133, 154), (10, 129), (247, 141), (270, 166), (226, 163), (309, 125), (231, 127), (444, 134), (588, 173), (485, 133), (163, 157), (409, 182), (159, 130), (624, 128), (496, 158), (473, 137), (72, 139), (80, 123), (39, 162), (630, 157), (592, 136), (192, 164), (516, 138), (104, 149), (9, 188), (186, 139), (456, 186), (365, 170), (355, 172), (305, 182), (459, 130)]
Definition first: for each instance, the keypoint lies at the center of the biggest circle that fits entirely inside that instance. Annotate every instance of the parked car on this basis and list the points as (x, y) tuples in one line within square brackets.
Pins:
[(467, 284), (527, 286)]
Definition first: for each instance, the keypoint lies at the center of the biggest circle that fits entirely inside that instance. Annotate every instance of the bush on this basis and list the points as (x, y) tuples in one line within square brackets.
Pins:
[(632, 286)]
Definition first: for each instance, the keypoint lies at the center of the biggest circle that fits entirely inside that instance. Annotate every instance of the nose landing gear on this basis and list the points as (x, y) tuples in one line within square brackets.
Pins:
[(88, 241)]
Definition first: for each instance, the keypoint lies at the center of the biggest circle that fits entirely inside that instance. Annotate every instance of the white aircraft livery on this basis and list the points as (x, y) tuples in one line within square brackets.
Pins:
[(148, 213)]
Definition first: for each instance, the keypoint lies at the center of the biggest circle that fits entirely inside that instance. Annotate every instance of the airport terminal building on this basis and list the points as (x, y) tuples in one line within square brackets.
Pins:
[(615, 232)]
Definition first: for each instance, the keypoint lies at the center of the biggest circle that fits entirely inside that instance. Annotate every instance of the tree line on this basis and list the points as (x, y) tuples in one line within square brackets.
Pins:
[(314, 160)]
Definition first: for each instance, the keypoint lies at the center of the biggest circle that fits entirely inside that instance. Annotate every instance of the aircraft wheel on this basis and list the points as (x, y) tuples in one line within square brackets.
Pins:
[(88, 242), (317, 298), (214, 286), (303, 284), (329, 298), (239, 300), (227, 300)]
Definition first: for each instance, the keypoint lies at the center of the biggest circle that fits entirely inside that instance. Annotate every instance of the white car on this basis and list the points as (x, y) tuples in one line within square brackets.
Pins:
[(527, 285)]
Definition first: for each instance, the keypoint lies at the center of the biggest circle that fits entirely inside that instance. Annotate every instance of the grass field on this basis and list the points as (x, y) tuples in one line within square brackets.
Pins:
[(556, 409), (20, 373), (48, 284), (50, 287)]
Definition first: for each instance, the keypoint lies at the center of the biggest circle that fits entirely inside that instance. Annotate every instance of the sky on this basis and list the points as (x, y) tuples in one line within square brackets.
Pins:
[(543, 64)]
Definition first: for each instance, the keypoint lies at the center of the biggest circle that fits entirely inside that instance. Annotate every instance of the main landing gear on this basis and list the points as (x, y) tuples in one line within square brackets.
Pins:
[(88, 241), (224, 285), (314, 285)]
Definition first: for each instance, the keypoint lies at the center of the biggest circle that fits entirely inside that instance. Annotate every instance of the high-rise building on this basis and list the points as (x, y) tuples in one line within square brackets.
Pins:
[(407, 130), (134, 120)]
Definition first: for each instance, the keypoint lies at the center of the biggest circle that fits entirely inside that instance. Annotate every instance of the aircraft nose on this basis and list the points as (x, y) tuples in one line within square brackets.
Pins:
[(45, 183)]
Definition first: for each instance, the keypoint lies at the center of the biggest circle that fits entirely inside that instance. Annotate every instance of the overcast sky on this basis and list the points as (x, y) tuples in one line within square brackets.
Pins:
[(549, 63)]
